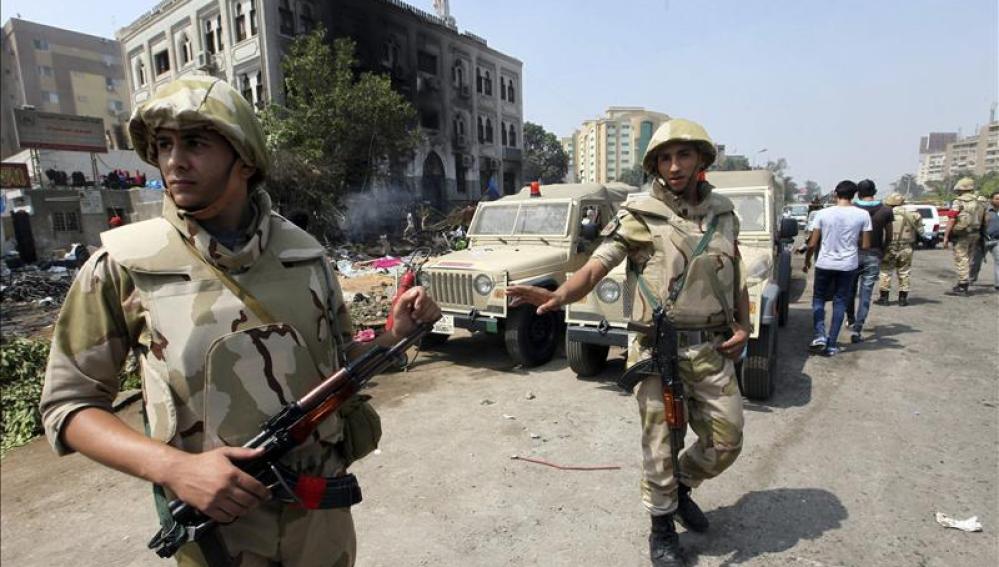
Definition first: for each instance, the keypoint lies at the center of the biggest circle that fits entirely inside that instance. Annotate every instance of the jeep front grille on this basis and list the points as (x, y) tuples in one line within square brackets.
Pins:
[(451, 288)]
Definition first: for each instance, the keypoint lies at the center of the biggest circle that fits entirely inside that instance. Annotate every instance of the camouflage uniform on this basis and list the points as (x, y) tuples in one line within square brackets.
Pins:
[(898, 257), (970, 212), (212, 368), (656, 237)]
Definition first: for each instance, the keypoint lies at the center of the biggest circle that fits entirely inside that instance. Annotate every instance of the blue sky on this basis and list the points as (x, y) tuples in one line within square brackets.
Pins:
[(841, 89)]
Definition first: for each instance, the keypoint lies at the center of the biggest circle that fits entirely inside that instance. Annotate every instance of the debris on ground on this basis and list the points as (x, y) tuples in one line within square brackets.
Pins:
[(970, 525), (566, 467), (35, 286), (529, 396)]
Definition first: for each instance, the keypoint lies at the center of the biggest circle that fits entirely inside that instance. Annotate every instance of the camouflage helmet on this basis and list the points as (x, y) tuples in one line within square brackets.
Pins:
[(196, 101), (965, 184), (894, 200), (679, 130)]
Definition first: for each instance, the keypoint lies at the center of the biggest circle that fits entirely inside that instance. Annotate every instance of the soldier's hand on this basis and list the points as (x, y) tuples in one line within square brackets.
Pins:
[(545, 299), (211, 483), (413, 307), (733, 347)]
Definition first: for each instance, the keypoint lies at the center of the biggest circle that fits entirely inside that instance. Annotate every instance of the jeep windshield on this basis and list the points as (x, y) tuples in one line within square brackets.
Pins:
[(521, 219), (751, 208)]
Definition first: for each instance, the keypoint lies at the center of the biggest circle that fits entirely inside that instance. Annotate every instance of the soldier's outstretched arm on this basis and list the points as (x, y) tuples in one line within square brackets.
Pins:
[(574, 289)]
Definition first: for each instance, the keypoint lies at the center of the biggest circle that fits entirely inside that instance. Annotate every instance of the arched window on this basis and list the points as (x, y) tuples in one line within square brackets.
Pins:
[(459, 127), (458, 74), (240, 22), (487, 85), (502, 88), (489, 130), (140, 73), (390, 53), (478, 80), (513, 137), (502, 124), (481, 131), (245, 88), (260, 88), (510, 94), (184, 49), (253, 17)]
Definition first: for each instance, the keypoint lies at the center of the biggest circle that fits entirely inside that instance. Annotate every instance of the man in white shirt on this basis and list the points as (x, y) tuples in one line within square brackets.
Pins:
[(838, 235)]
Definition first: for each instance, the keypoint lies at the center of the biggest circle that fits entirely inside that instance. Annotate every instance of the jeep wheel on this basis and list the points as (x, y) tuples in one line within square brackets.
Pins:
[(432, 340), (530, 338), (586, 359), (758, 370), (783, 305)]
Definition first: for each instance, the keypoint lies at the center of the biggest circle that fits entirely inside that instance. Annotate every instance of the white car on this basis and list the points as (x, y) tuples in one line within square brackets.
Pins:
[(932, 229)]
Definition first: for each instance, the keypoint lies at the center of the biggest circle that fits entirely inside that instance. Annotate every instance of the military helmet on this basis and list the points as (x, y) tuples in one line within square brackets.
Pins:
[(894, 200), (197, 101), (965, 184), (679, 130)]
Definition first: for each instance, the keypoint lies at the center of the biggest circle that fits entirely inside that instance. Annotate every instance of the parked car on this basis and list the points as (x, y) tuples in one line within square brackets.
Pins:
[(933, 224), (527, 238), (798, 212), (600, 320)]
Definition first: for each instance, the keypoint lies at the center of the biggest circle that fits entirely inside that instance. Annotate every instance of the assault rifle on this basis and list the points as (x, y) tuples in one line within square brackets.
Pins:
[(280, 434), (664, 363)]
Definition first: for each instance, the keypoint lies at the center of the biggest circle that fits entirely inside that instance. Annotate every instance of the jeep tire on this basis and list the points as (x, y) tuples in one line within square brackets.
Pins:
[(756, 380), (532, 339), (586, 359)]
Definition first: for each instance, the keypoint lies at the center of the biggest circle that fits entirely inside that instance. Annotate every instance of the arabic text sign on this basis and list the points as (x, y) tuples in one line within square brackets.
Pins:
[(51, 131)]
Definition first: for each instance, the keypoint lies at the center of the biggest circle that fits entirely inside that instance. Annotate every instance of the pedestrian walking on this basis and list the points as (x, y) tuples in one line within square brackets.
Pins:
[(964, 231), (898, 259), (839, 234), (870, 258), (232, 310), (658, 237)]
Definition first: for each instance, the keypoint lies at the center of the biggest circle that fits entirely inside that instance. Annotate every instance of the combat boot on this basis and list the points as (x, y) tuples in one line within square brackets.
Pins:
[(903, 298), (959, 289), (690, 513), (883, 298), (664, 543)]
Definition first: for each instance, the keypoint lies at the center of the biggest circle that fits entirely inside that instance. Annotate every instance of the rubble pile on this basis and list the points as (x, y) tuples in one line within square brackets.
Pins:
[(36, 286), (370, 310)]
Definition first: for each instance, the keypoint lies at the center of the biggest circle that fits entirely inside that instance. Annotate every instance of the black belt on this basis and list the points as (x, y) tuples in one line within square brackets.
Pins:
[(315, 492)]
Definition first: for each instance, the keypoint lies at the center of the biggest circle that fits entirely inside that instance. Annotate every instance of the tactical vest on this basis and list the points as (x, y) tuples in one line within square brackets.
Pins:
[(969, 218), (212, 370), (905, 228), (707, 299)]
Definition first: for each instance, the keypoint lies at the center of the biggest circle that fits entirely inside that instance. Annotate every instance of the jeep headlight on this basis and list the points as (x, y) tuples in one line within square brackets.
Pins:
[(424, 280), (483, 284), (608, 290)]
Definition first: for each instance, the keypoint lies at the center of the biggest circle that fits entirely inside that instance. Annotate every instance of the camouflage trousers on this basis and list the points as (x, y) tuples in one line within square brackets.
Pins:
[(276, 534), (714, 412), (897, 259), (964, 247)]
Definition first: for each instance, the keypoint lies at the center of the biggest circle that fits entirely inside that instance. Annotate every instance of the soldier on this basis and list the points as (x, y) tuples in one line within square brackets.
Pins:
[(201, 296), (904, 228), (964, 231), (657, 236), (978, 252)]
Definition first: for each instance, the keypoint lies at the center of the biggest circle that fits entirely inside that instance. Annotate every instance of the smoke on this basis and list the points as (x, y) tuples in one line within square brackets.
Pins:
[(378, 210)]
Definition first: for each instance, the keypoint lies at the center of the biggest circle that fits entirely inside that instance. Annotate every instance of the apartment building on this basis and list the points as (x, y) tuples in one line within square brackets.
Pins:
[(469, 96), (58, 70), (602, 149), (977, 154)]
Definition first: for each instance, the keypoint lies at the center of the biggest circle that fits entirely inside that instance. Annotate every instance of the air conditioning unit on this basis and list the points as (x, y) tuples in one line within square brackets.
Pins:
[(203, 60)]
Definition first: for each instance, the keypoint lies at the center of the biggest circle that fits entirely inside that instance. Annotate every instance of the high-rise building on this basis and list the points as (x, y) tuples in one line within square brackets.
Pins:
[(977, 154), (603, 149), (62, 71), (469, 97), (936, 142)]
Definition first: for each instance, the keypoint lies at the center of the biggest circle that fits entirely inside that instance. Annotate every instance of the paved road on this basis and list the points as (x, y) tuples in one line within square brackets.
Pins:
[(846, 465)]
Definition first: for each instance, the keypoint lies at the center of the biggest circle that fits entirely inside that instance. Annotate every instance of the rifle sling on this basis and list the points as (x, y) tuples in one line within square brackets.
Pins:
[(239, 291)]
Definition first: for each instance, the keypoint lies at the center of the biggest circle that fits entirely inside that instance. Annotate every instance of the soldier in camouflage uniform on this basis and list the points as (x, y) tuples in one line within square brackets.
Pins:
[(964, 231), (898, 257), (232, 312), (657, 237)]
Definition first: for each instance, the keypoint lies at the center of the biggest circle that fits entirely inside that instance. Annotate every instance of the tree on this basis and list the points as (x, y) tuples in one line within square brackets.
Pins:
[(732, 163), (812, 190), (908, 186), (790, 186), (337, 131), (634, 176), (544, 158)]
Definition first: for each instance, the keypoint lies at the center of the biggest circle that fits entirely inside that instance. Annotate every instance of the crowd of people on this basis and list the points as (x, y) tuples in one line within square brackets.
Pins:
[(861, 241)]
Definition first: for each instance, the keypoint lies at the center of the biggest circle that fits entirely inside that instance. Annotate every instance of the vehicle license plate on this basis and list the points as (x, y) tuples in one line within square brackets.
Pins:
[(444, 325)]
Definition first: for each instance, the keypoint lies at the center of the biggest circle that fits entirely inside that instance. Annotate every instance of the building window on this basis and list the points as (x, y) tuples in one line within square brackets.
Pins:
[(50, 97), (511, 95), (186, 50), (513, 136), (459, 127), (481, 131), (240, 23), (45, 70), (390, 53), (253, 17), (260, 88), (287, 24), (306, 17), (458, 74), (487, 84), (502, 88), (41, 44), (218, 33), (116, 106), (66, 221), (430, 120), (109, 84), (245, 88), (426, 62), (489, 131), (209, 37), (161, 62), (478, 80), (139, 73), (502, 124)]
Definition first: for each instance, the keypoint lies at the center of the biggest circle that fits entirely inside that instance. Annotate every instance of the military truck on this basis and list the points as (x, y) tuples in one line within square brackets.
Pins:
[(599, 320), (533, 237)]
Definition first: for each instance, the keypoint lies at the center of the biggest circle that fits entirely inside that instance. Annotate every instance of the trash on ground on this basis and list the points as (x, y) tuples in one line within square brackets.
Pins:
[(364, 335), (505, 416), (529, 396), (970, 525), (566, 467)]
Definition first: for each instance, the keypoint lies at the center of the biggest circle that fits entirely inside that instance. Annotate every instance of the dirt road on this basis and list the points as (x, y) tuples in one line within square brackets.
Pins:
[(846, 465)]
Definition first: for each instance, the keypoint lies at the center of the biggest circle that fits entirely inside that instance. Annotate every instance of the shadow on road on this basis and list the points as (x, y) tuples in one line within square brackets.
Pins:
[(766, 521), (884, 338), (919, 300)]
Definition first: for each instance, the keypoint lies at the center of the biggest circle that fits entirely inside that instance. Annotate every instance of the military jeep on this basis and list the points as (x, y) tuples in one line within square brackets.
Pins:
[(531, 238), (599, 321)]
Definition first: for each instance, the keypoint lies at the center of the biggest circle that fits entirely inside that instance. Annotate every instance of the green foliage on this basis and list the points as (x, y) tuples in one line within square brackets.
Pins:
[(545, 159), (732, 163), (634, 176), (779, 169), (336, 131), (908, 186), (942, 192), (22, 374)]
